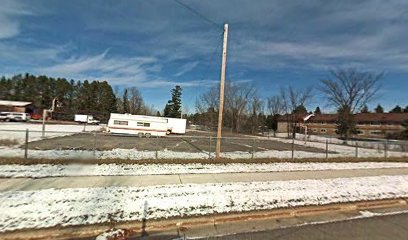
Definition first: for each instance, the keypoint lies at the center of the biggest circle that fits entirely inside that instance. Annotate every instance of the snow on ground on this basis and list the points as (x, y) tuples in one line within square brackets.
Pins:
[(55, 130), (47, 170), (134, 154), (16, 131), (343, 150), (113, 234), (396, 145), (75, 206)]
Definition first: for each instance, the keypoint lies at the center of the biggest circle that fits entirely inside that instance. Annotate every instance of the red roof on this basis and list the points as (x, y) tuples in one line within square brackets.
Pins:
[(358, 117), (364, 117)]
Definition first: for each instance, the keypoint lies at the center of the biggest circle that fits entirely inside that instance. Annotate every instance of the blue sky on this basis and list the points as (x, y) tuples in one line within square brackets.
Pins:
[(156, 44)]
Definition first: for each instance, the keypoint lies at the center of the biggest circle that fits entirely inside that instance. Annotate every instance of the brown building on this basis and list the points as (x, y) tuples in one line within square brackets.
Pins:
[(15, 106), (369, 125)]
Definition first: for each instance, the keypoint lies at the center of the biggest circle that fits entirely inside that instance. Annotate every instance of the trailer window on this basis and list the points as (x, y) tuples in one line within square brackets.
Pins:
[(142, 124), (117, 122)]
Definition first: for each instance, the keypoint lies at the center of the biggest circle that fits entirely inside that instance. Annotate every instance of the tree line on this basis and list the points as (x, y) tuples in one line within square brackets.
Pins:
[(347, 90), (97, 98)]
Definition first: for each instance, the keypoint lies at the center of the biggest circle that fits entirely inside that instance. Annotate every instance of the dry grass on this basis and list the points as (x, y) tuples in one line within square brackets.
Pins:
[(8, 142), (23, 161)]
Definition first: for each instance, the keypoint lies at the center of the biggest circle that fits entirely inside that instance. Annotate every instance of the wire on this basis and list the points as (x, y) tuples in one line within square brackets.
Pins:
[(198, 14)]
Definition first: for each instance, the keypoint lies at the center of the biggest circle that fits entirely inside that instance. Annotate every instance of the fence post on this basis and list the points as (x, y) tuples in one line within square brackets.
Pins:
[(327, 149), (94, 145), (293, 148), (26, 144), (157, 147), (209, 148), (385, 149), (356, 150), (253, 148)]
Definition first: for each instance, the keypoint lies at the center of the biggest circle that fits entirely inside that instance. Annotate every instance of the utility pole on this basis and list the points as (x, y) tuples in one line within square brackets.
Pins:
[(221, 108), (55, 103)]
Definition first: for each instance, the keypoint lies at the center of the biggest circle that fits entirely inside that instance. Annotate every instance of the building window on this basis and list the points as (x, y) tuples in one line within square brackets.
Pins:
[(117, 122), (323, 130), (375, 132), (314, 129), (360, 132)]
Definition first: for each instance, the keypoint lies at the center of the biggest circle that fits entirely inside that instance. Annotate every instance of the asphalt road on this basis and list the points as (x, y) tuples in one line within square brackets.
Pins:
[(25, 184), (393, 227)]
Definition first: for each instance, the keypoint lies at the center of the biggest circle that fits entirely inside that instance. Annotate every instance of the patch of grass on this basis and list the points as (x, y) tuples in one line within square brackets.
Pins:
[(29, 161), (8, 142)]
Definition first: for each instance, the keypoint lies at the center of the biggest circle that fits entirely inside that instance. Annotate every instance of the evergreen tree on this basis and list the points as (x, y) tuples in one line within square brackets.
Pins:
[(93, 97), (300, 110), (317, 110), (396, 109), (346, 126), (173, 106), (125, 101), (365, 109), (167, 109), (272, 122), (379, 109), (406, 109)]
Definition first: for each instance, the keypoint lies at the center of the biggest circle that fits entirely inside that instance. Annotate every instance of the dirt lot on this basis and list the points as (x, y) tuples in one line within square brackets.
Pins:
[(191, 142)]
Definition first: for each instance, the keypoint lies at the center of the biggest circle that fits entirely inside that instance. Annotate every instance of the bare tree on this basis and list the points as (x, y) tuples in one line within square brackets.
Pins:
[(149, 110), (350, 88), (256, 106), (237, 96), (291, 100), (207, 107), (136, 103), (276, 105), (208, 100)]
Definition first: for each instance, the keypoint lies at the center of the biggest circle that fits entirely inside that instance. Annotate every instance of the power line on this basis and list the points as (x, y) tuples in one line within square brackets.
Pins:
[(198, 14)]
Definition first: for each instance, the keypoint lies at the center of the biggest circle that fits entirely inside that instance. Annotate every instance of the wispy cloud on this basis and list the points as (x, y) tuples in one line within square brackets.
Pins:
[(186, 68), (10, 11), (138, 71), (119, 70)]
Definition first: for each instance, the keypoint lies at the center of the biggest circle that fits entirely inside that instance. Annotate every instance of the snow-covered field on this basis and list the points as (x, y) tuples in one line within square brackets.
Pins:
[(75, 206), (343, 150), (395, 145), (16, 131), (46, 170), (55, 130)]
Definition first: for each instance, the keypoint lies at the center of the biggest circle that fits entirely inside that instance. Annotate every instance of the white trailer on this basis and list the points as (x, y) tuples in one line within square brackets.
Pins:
[(177, 125), (137, 125), (155, 126), (85, 119)]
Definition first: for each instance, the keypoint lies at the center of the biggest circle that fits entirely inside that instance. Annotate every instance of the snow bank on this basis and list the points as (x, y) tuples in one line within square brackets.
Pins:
[(134, 154), (16, 131), (114, 234), (75, 206), (46, 170)]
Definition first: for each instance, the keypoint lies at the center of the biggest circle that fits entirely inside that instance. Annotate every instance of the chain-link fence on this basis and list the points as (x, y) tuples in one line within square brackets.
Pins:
[(92, 142)]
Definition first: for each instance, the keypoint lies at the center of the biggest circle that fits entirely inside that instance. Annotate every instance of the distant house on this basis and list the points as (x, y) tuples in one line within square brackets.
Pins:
[(369, 125), (15, 106)]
